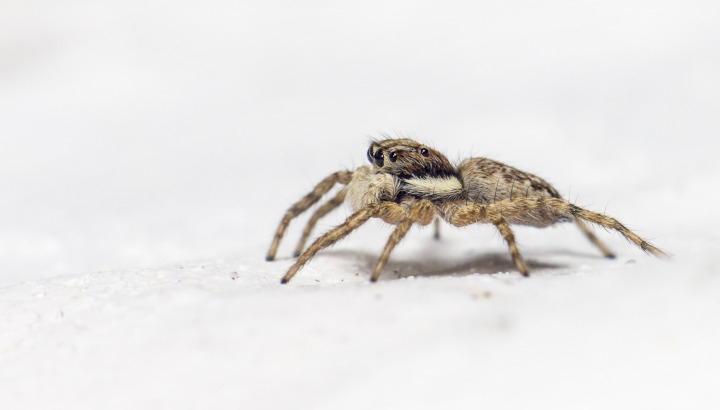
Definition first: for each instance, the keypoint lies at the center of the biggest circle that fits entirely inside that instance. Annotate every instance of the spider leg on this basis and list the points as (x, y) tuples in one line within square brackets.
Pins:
[(319, 213), (507, 233), (306, 202), (481, 213), (420, 212), (594, 239), (516, 209), (519, 206), (436, 227), (381, 210), (603, 220), (463, 215)]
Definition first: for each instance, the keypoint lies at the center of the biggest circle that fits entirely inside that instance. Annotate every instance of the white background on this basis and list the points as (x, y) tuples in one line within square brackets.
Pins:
[(148, 150)]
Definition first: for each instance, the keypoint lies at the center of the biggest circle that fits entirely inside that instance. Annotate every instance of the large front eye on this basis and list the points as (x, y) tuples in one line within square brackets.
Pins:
[(424, 152), (379, 159), (393, 156)]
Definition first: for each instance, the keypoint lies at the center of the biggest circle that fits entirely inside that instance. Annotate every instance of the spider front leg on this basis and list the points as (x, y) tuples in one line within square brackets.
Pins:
[(389, 211), (306, 202), (319, 213), (421, 212)]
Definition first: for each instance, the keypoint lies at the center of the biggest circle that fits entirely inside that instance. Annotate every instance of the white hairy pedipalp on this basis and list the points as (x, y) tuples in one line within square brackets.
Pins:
[(369, 187)]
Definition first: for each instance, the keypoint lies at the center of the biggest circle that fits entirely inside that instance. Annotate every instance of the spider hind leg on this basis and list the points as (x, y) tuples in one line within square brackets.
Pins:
[(594, 239), (578, 213)]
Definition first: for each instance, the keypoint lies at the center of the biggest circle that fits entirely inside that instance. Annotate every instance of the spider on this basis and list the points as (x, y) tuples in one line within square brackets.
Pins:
[(410, 183)]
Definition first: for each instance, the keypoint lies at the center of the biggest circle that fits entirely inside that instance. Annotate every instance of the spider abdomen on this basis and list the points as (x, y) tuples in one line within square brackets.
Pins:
[(487, 182)]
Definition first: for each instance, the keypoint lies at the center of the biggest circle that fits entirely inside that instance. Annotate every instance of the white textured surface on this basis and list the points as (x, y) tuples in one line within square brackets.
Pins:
[(148, 151)]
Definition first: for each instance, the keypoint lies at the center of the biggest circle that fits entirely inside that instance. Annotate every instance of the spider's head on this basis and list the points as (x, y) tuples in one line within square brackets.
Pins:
[(406, 159)]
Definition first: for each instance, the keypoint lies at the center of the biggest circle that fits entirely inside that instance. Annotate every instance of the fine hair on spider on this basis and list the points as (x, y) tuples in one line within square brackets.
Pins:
[(410, 183)]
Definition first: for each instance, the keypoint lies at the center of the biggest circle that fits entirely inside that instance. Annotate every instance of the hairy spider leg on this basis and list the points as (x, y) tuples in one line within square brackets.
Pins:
[(328, 206), (421, 212), (509, 208), (490, 213), (303, 204), (594, 239), (602, 220), (384, 210), (436, 233), (507, 234), (518, 206)]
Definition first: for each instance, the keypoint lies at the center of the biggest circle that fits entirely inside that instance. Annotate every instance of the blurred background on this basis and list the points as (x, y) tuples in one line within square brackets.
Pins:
[(140, 133)]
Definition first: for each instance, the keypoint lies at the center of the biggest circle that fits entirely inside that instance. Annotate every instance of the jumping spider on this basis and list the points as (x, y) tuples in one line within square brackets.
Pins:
[(411, 183)]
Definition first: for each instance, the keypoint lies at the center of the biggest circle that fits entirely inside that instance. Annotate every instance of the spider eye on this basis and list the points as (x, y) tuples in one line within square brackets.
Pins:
[(424, 152), (379, 159), (369, 155), (393, 156)]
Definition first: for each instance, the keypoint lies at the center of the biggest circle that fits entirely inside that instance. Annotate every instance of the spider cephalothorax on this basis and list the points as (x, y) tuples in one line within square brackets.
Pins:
[(421, 171), (407, 159), (411, 183)]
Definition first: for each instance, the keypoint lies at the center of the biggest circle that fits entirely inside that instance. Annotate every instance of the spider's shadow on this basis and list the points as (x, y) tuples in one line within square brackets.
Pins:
[(486, 263)]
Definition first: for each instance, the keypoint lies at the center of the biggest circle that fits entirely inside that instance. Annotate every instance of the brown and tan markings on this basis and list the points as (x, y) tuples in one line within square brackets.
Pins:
[(409, 183)]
